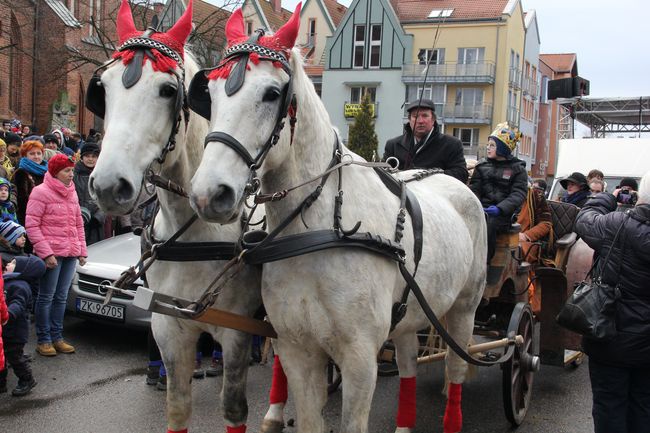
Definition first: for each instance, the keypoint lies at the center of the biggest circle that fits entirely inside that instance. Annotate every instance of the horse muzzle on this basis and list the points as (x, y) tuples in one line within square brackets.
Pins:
[(219, 205), (117, 197)]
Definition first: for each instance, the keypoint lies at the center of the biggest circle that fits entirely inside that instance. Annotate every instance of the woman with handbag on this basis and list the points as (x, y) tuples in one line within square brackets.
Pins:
[(619, 368)]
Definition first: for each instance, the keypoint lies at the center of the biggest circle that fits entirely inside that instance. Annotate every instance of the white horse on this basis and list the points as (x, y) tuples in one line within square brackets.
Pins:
[(337, 303), (138, 123)]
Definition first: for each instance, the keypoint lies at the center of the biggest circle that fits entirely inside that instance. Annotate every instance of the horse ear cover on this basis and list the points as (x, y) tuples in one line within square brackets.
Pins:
[(288, 33)]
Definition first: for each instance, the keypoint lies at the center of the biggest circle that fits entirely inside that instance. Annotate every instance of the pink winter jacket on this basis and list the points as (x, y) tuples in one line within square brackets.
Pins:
[(53, 220)]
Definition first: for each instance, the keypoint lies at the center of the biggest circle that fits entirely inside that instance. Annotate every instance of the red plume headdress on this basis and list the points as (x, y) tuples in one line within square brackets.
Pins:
[(174, 38), (282, 41)]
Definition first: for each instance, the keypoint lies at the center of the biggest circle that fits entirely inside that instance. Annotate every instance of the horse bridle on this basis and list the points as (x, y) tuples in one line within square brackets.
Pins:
[(143, 44), (200, 102)]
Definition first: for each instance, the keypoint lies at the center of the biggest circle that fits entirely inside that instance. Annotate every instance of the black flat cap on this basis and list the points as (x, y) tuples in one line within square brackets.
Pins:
[(424, 103)]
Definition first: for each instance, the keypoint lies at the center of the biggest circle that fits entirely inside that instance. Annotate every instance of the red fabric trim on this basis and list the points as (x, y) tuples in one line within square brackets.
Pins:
[(279, 393), (177, 431), (239, 429), (162, 63), (406, 407), (453, 421)]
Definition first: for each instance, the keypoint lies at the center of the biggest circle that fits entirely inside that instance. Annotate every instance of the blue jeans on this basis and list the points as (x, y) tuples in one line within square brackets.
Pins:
[(51, 300)]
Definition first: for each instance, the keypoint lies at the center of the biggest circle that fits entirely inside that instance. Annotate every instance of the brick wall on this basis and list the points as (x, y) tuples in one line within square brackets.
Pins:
[(16, 64)]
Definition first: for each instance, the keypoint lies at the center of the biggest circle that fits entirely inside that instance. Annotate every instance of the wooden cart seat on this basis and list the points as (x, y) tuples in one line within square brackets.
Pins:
[(563, 216)]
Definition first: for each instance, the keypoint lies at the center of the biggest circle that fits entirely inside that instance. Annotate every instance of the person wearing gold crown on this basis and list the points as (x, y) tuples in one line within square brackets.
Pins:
[(500, 182)]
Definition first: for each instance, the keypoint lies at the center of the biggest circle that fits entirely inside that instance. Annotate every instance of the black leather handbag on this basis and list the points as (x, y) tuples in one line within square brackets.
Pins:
[(591, 308)]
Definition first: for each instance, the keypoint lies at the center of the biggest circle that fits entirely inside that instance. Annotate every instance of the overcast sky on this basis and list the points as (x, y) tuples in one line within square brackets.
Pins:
[(612, 40)]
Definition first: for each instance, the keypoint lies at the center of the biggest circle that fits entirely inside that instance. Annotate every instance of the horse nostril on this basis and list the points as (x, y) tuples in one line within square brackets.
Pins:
[(123, 191), (91, 184), (223, 199)]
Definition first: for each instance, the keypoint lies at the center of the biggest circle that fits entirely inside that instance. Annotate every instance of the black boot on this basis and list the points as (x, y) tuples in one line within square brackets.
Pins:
[(153, 373), (24, 387)]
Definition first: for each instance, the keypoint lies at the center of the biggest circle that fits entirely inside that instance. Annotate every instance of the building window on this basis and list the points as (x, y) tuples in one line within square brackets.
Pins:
[(469, 96), (249, 28), (311, 31), (471, 56), (436, 57), (357, 92), (375, 46), (359, 46), (467, 136)]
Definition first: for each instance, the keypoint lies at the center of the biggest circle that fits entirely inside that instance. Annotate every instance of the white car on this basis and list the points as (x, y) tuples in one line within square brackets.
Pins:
[(107, 259)]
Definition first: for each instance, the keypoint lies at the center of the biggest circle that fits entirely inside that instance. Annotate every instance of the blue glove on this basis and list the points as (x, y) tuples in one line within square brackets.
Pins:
[(492, 210)]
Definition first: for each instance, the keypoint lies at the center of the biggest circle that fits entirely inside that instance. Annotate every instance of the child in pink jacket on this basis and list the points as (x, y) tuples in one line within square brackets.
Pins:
[(55, 228)]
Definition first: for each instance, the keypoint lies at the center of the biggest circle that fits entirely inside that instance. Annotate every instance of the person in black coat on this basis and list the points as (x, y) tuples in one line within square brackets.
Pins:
[(500, 182), (620, 369), (92, 215), (18, 293), (577, 188), (423, 145)]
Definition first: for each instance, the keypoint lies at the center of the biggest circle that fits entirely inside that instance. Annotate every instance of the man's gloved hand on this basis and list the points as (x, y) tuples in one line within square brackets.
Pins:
[(492, 210)]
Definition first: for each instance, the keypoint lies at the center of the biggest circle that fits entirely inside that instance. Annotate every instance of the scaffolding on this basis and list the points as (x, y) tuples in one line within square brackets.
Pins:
[(629, 115)]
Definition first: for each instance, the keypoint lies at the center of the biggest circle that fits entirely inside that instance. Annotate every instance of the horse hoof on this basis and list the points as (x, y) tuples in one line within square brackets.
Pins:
[(272, 426)]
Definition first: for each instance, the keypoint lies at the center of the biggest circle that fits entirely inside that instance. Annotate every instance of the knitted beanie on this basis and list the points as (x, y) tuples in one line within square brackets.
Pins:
[(11, 231), (58, 162)]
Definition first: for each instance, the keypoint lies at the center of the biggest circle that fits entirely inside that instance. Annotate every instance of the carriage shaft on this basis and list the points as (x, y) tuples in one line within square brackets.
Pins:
[(474, 348)]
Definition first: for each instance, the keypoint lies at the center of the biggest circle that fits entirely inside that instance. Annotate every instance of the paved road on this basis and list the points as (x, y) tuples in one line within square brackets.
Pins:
[(101, 389)]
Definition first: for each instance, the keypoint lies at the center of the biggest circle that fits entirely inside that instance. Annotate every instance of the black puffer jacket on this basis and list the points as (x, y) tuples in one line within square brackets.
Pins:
[(18, 293), (81, 177), (501, 183), (440, 151), (597, 224)]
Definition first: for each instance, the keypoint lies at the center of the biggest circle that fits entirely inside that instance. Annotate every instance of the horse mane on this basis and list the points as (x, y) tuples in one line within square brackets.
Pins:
[(310, 108)]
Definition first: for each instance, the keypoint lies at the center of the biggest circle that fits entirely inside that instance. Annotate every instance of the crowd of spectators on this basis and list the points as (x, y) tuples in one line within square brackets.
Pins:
[(46, 221)]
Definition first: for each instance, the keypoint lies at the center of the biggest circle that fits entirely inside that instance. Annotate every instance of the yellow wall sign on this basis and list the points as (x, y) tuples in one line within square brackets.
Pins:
[(351, 110)]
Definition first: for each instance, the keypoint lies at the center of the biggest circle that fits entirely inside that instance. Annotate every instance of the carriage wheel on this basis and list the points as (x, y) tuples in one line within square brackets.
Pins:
[(519, 370), (334, 377)]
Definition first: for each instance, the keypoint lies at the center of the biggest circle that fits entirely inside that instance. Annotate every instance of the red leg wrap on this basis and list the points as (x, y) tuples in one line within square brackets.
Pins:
[(177, 431), (239, 429), (406, 408), (453, 421), (278, 392)]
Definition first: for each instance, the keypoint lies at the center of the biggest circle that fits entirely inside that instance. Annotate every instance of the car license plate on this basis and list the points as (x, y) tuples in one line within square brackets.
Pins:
[(99, 309)]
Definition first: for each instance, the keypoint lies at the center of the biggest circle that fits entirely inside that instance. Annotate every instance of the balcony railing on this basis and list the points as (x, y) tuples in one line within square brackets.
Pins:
[(530, 88), (513, 117), (450, 73), (514, 78), (311, 39), (472, 114)]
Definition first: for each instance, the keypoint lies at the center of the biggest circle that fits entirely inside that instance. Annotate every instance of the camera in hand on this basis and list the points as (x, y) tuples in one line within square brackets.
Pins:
[(626, 196)]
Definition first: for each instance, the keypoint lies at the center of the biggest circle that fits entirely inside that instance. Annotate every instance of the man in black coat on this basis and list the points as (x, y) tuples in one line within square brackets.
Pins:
[(423, 145), (620, 369)]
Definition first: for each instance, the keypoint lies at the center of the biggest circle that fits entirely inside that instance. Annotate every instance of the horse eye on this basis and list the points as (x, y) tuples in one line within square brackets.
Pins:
[(167, 91), (271, 94)]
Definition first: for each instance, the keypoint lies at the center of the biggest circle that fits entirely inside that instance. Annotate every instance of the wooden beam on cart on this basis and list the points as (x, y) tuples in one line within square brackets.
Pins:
[(473, 348)]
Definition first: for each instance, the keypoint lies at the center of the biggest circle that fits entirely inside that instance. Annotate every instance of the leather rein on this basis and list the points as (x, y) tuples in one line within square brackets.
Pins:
[(258, 247)]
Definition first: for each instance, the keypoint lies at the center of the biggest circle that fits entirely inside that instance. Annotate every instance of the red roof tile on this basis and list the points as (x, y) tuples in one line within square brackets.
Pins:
[(336, 11), (210, 21), (560, 62), (417, 10), (315, 70), (275, 19)]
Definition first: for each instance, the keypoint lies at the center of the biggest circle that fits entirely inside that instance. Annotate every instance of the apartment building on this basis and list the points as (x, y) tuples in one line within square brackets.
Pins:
[(554, 121), (529, 113), (466, 56)]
